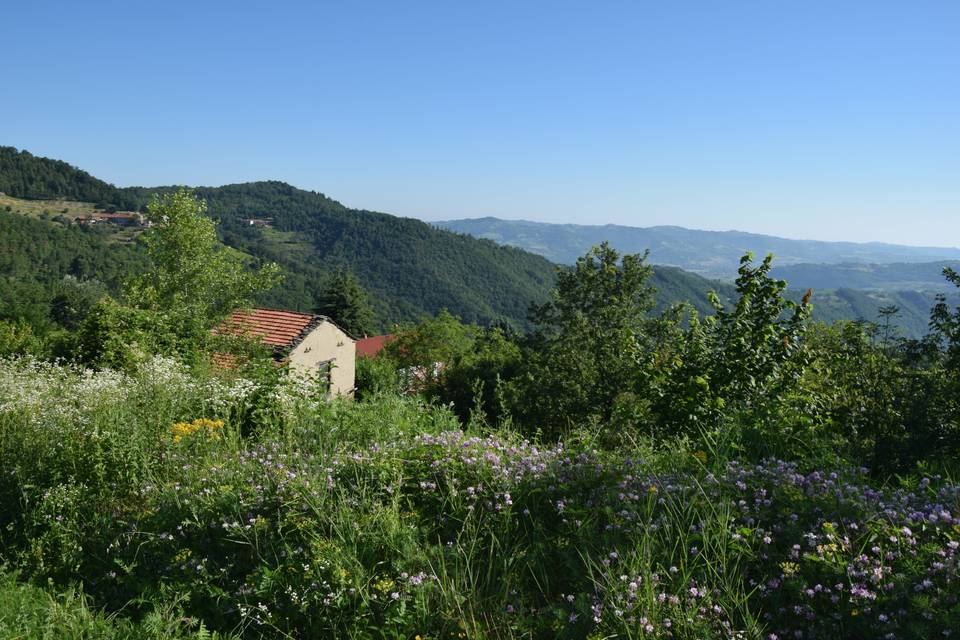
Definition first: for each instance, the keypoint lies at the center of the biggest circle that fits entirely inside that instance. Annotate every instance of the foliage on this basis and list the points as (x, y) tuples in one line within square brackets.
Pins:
[(425, 351), (170, 309), (594, 333), (475, 381), (742, 364), (345, 301), (118, 336), (376, 376), (24, 175), (50, 274), (73, 300), (31, 613), (382, 519), (17, 338), (195, 279), (946, 324)]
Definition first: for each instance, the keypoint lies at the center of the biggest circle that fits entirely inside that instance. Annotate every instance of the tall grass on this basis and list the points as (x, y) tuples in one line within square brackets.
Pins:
[(272, 513)]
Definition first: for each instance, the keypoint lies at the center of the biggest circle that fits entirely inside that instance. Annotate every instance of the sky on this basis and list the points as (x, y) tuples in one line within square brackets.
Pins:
[(825, 120)]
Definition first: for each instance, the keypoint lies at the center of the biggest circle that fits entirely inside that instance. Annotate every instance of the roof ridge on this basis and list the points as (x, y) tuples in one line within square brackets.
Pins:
[(299, 313)]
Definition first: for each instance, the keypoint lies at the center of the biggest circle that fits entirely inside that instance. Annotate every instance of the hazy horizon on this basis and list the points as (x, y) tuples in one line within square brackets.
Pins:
[(815, 121)]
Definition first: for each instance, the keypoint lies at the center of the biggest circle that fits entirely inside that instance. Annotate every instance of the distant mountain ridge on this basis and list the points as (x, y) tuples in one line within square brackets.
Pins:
[(897, 276), (713, 254)]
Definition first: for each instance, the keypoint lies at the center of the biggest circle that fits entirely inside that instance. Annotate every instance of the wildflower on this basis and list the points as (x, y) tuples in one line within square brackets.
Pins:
[(182, 430)]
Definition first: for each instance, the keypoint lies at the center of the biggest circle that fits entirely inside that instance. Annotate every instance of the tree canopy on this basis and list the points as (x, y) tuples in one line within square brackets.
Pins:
[(345, 301)]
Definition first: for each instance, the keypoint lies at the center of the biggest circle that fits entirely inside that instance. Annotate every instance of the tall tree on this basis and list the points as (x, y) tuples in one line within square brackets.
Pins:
[(195, 279), (593, 332), (345, 301), (946, 324), (739, 361)]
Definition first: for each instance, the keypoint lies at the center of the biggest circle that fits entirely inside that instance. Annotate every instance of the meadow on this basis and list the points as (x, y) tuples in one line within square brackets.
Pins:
[(169, 502)]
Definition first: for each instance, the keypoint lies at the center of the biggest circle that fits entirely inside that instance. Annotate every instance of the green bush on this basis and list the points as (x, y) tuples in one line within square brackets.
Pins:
[(376, 376)]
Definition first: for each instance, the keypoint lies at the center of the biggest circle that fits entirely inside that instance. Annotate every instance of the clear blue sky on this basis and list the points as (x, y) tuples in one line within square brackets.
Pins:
[(830, 120)]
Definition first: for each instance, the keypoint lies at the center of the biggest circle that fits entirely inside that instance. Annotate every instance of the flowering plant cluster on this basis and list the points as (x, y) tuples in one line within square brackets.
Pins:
[(210, 428), (386, 519)]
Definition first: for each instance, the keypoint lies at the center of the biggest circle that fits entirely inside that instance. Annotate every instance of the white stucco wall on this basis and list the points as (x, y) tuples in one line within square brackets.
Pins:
[(328, 342)]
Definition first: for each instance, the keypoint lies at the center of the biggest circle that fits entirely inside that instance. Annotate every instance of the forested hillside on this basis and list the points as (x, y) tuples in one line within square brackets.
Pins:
[(410, 269), (48, 270), (24, 175)]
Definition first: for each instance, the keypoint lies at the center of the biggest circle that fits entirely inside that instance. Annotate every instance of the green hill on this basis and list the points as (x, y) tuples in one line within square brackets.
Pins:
[(410, 268), (42, 261), (24, 175)]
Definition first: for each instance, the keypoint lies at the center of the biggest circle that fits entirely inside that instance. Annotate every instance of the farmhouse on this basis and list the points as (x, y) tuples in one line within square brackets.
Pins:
[(311, 344)]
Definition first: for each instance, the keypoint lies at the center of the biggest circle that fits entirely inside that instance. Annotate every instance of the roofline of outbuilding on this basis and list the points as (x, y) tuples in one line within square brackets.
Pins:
[(316, 320)]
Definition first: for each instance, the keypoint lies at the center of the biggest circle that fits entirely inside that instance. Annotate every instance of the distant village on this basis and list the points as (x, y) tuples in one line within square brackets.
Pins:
[(120, 219), (133, 219)]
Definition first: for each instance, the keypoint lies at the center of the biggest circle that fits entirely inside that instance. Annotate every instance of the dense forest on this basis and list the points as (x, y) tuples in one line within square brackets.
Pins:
[(410, 268), (24, 175), (50, 273)]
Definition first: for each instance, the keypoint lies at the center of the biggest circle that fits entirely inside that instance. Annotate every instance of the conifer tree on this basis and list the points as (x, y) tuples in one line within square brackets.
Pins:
[(345, 301)]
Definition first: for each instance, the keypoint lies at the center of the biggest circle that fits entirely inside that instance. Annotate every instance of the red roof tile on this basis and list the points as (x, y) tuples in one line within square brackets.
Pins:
[(274, 328), (369, 347)]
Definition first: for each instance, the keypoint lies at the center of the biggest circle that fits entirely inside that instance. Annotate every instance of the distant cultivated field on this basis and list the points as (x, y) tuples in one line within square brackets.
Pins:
[(56, 210), (46, 208)]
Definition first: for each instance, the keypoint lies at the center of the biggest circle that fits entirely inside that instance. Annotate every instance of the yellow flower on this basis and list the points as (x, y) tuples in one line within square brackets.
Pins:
[(383, 585), (701, 456), (183, 430), (789, 568)]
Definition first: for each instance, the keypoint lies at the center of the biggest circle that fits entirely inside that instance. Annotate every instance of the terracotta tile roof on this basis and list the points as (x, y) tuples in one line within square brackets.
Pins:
[(369, 347), (274, 328)]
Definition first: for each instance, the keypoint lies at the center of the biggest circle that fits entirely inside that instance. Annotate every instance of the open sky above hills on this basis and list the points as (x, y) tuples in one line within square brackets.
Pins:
[(823, 120)]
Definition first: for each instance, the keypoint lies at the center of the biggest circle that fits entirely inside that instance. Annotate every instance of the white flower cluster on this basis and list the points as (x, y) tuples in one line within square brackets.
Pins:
[(44, 391)]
